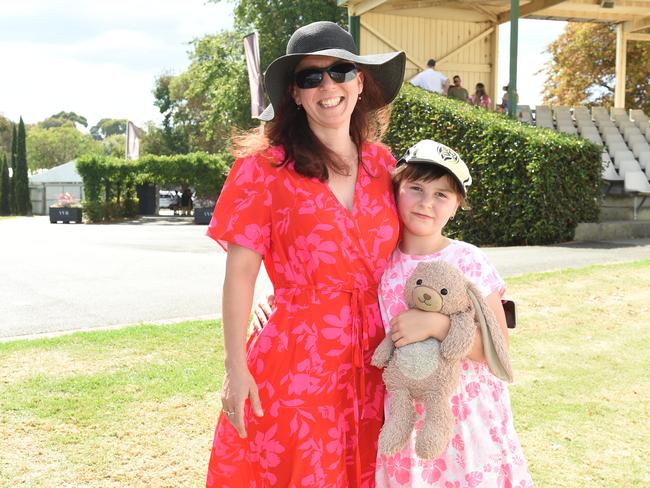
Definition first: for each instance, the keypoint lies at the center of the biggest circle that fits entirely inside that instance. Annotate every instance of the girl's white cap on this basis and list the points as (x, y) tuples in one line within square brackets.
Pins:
[(431, 152)]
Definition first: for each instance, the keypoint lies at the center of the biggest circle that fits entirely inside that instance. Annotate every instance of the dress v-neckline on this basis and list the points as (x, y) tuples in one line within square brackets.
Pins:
[(349, 211)]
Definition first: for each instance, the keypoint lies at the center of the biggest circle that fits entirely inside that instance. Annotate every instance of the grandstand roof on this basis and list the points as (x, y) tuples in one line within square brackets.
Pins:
[(634, 13)]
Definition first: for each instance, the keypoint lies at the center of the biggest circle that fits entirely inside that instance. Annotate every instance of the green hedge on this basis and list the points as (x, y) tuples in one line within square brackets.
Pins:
[(530, 185), (110, 183)]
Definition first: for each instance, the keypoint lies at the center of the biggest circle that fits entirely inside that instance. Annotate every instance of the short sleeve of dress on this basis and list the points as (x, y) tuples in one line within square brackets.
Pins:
[(488, 280), (242, 214)]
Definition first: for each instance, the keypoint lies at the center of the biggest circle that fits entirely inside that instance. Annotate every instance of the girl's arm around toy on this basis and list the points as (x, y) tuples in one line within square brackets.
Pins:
[(494, 302), (242, 267), (415, 325)]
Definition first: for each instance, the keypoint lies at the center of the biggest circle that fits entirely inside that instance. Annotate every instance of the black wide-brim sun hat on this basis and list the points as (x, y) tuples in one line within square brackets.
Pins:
[(329, 39)]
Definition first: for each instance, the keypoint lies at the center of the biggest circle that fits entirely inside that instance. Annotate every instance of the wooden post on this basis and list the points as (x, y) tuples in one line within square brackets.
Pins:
[(514, 41), (354, 27), (621, 55), (496, 89)]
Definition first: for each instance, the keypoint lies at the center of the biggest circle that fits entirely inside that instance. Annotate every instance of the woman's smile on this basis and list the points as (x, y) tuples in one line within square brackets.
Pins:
[(331, 102)]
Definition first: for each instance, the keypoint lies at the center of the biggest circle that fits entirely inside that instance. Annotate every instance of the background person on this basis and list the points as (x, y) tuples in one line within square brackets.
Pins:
[(431, 80), (456, 91), (311, 198), (504, 99), (480, 98), (186, 202)]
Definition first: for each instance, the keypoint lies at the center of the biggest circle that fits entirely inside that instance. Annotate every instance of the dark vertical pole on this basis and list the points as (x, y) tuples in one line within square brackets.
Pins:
[(354, 26), (514, 40)]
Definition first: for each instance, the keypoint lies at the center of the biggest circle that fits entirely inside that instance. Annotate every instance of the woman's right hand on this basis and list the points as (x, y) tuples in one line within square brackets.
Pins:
[(238, 386)]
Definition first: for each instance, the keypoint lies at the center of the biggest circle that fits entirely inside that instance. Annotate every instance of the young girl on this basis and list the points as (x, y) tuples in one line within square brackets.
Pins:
[(480, 97), (430, 185)]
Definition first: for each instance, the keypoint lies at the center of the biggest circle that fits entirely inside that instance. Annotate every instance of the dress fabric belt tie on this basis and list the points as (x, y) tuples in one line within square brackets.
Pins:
[(360, 344)]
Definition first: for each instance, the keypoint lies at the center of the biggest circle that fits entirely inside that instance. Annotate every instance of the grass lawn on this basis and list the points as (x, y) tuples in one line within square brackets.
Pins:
[(136, 407)]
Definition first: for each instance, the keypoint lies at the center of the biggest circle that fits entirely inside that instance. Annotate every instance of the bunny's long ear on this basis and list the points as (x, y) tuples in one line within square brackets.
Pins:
[(494, 346)]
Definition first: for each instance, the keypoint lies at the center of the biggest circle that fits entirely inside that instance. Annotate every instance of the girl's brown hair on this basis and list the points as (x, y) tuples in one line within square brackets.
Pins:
[(290, 129), (427, 172)]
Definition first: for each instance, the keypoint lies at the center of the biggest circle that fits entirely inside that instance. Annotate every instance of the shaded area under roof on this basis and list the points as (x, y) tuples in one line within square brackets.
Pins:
[(634, 13)]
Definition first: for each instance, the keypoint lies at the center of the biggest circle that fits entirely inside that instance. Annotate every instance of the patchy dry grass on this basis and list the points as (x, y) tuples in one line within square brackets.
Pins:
[(129, 408), (582, 394), (136, 407)]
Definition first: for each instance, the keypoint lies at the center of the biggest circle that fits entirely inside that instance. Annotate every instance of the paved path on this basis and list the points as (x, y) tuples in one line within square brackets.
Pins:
[(67, 277)]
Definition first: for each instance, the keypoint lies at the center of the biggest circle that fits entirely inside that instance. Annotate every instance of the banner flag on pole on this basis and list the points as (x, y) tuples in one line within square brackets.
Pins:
[(252, 51), (132, 141)]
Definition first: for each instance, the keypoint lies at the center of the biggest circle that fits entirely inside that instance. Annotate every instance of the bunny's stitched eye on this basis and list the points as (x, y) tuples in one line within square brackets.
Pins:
[(418, 282), (444, 291)]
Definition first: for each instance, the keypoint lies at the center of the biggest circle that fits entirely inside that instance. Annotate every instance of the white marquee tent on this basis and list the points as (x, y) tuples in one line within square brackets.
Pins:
[(45, 188)]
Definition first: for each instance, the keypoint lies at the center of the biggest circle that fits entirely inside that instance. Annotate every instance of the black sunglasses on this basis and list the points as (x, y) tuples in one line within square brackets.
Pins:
[(313, 77)]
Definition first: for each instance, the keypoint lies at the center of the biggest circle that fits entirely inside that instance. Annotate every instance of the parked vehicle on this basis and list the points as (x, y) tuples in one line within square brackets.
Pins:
[(167, 199)]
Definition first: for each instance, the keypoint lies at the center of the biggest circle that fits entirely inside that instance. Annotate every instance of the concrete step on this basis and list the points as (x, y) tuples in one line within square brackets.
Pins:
[(616, 220), (615, 230), (616, 208)]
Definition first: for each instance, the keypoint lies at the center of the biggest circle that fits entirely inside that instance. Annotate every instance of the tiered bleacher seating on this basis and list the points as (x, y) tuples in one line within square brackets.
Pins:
[(525, 114), (544, 117), (636, 183), (625, 137), (641, 120)]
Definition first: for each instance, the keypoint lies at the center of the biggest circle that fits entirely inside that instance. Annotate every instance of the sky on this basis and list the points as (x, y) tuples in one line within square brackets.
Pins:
[(96, 58), (100, 59), (534, 37)]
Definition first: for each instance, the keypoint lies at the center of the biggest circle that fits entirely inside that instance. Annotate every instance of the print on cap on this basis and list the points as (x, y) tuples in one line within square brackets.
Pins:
[(447, 154)]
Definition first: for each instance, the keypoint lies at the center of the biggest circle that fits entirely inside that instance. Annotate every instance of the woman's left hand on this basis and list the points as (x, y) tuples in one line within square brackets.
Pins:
[(415, 325), (262, 312)]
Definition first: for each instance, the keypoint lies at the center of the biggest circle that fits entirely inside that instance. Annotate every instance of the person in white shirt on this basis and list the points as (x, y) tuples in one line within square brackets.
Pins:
[(431, 80)]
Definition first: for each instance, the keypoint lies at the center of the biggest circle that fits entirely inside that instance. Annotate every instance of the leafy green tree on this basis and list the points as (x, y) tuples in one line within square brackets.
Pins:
[(583, 67), (174, 137), (163, 141), (47, 148), (213, 92), (5, 209), (5, 135), (201, 105), (113, 145), (14, 158), (108, 127), (276, 20), (62, 119), (51, 123), (23, 201)]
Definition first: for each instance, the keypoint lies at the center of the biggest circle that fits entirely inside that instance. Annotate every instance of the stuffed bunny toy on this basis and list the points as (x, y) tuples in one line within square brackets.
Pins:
[(429, 371)]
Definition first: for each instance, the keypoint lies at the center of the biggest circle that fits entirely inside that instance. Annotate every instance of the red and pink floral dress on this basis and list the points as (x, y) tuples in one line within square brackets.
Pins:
[(322, 401), (484, 450)]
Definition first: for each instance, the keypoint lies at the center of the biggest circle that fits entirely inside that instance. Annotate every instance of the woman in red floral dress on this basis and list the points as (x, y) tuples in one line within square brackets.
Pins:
[(311, 199)]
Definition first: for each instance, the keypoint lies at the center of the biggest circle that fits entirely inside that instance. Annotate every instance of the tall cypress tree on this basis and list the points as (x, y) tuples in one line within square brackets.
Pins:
[(12, 181), (4, 186), (23, 201)]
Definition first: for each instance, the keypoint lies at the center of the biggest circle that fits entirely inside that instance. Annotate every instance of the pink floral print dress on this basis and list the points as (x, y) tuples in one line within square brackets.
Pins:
[(322, 401), (484, 450)]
